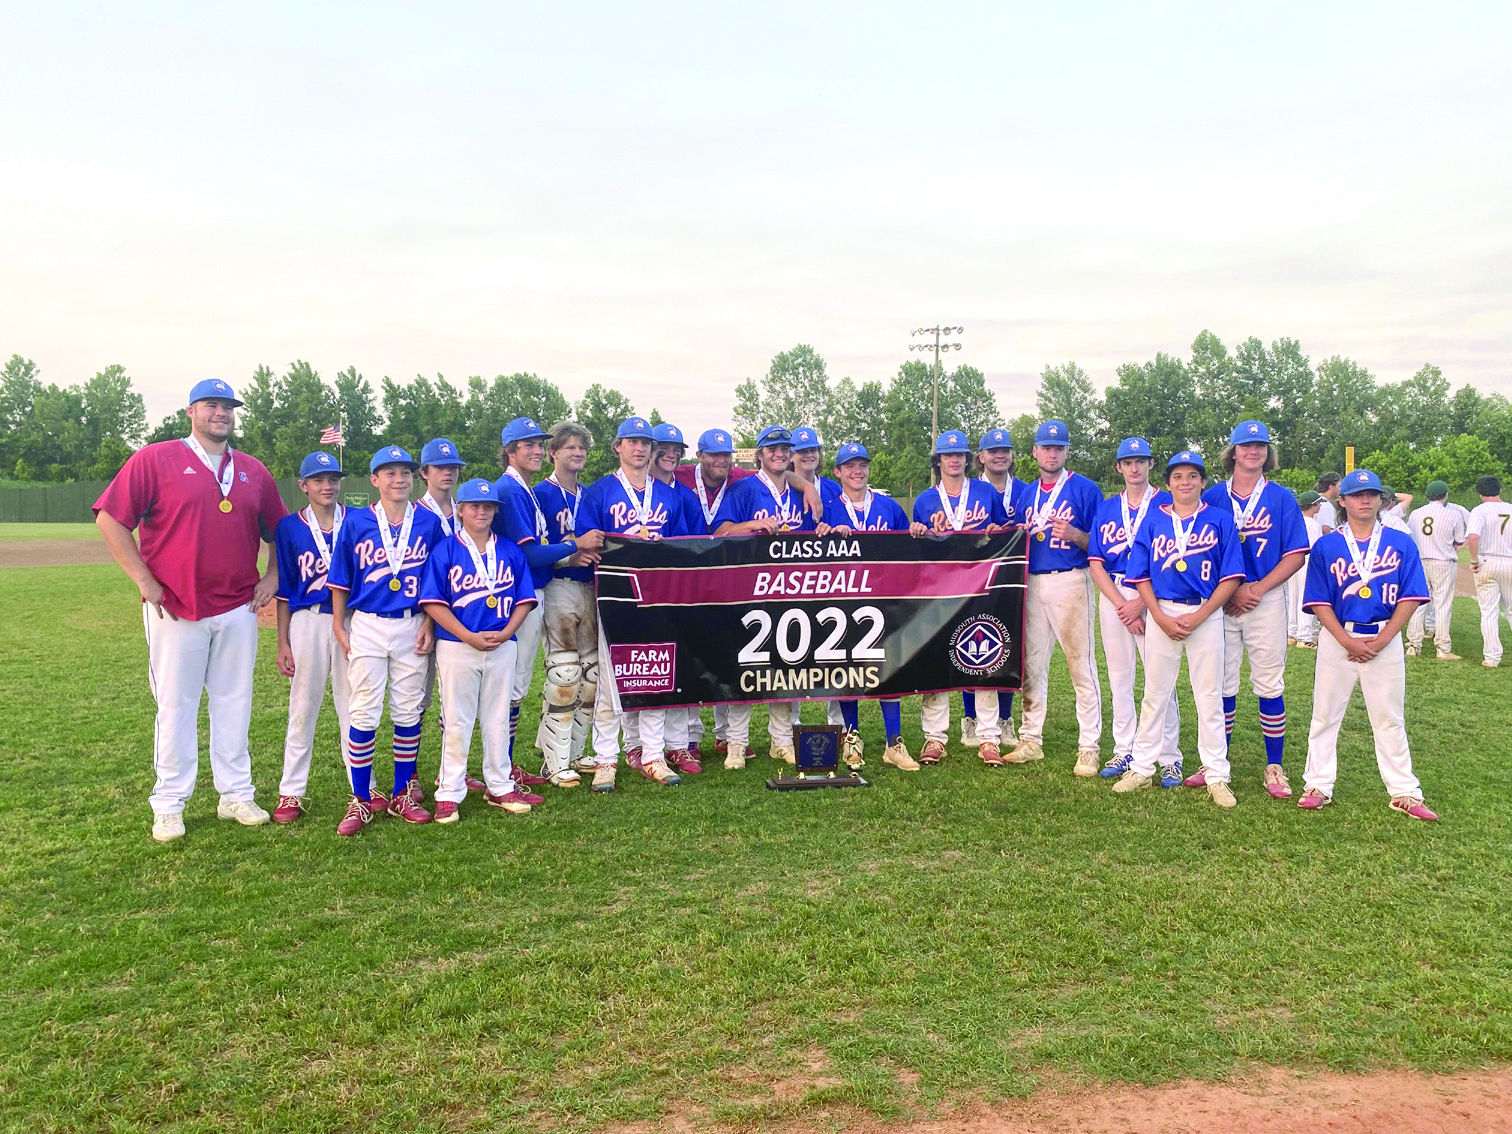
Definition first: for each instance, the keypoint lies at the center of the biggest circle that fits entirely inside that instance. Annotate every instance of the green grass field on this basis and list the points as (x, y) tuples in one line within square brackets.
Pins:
[(960, 932), (9, 533)]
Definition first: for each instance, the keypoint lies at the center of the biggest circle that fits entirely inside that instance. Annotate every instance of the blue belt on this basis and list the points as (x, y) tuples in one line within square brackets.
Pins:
[(1185, 601), (1057, 571), (1363, 627), (395, 614)]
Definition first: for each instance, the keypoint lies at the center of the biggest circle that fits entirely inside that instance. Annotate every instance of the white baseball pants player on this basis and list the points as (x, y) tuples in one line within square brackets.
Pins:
[(1383, 681), (527, 641), (780, 716), (1122, 648), (934, 715), (383, 662), (1301, 625), (1493, 591), (317, 659), (1261, 633), (1059, 610), (1440, 605), (607, 717), (475, 688), (570, 630), (185, 658), (1204, 648), (721, 725)]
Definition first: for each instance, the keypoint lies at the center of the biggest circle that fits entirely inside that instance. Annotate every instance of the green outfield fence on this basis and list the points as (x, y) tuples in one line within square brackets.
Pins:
[(73, 503)]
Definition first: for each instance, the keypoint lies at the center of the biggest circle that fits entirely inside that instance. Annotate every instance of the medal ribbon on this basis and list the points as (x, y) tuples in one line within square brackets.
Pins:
[(223, 479), (395, 552), (1241, 517), (642, 506), (1183, 535), (572, 498), (708, 509), (540, 516), (1132, 522), (1046, 507), (485, 563), (446, 521), (860, 521), (1366, 566), (782, 501), (308, 515), (957, 517)]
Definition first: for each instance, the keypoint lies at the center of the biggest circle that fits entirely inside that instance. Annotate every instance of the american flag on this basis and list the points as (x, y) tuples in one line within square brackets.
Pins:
[(332, 436)]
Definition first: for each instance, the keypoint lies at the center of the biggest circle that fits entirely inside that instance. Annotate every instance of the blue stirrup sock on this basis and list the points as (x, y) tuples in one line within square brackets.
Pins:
[(406, 753), (360, 745), (892, 721), (1273, 725)]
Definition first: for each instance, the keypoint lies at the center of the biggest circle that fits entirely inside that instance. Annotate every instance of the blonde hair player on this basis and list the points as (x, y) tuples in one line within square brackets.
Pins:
[(1490, 541)]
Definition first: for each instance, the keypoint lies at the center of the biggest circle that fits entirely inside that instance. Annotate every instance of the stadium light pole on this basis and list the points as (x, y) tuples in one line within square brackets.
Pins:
[(937, 346)]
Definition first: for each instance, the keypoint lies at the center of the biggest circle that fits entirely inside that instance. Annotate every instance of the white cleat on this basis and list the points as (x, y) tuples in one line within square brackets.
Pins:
[(784, 753), (1132, 781), (1220, 794), (167, 826), (244, 811), (897, 755), (1088, 762), (968, 732), (735, 757)]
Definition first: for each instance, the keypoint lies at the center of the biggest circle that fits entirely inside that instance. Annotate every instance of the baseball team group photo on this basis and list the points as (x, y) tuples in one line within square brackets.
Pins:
[(515, 624)]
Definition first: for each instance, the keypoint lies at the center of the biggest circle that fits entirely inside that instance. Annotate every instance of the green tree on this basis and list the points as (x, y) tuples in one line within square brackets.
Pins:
[(19, 389), (357, 413), (492, 405), (1338, 412), (173, 426), (1154, 401), (601, 410), (1217, 402), (258, 420), (1067, 394)]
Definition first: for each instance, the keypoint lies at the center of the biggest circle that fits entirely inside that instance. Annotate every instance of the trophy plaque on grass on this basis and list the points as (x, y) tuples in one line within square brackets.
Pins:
[(817, 751)]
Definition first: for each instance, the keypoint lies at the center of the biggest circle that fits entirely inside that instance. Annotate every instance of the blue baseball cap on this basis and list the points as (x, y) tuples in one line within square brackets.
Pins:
[(951, 441), (715, 441), (851, 451), (522, 429), (1361, 480), (1134, 447), (773, 435), (476, 491), (996, 439), (1187, 457), (669, 434), (214, 388), (392, 455), (1052, 433), (635, 427), (318, 463), (805, 437), (440, 452), (1249, 431)]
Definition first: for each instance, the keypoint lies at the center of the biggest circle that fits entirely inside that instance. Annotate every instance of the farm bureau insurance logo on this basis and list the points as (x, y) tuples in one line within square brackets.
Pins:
[(649, 667), (979, 645)]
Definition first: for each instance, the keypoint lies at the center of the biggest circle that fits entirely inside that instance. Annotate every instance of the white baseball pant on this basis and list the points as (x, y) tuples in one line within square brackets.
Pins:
[(1204, 648), (527, 641), (1261, 633), (1301, 625), (383, 662), (1383, 681), (721, 725), (475, 688), (215, 656), (1123, 650), (1440, 605), (649, 723), (780, 716), (676, 728), (570, 635), (317, 659), (1493, 591), (934, 715), (1059, 610)]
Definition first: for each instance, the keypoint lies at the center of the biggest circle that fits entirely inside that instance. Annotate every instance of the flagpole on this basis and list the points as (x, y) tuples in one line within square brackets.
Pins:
[(341, 448)]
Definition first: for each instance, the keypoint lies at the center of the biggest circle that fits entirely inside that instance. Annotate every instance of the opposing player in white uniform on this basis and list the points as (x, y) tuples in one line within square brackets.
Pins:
[(1363, 583), (307, 653), (958, 503), (1439, 532), (1185, 563), (1273, 540), (1303, 628), (1490, 540), (570, 622), (1059, 602), (1121, 612), (376, 571), (1328, 514)]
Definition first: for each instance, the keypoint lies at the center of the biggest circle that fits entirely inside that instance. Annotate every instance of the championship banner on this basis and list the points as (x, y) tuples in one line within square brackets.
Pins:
[(802, 617)]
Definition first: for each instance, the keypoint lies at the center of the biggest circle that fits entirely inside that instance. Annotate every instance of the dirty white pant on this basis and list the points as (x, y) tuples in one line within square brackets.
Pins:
[(1204, 649), (475, 689), (1440, 573), (383, 663), (317, 659), (1059, 610), (1493, 591)]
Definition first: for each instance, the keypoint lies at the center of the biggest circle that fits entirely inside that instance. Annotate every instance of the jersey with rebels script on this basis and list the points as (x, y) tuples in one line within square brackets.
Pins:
[(984, 505), (557, 504), (606, 508), (1273, 531), (1018, 502), (302, 569), (1078, 502), (452, 579), (884, 515), (362, 568), (1108, 542), (1333, 580), (752, 500), (1212, 553), (687, 499)]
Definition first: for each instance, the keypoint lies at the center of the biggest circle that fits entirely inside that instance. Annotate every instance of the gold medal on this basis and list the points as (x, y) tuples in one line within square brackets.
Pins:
[(493, 600), (543, 541), (225, 505), (1040, 537), (1181, 565), (1364, 592), (394, 584), (1241, 537)]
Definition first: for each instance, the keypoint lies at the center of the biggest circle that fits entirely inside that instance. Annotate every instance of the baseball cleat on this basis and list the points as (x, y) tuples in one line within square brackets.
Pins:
[(1313, 800), (784, 753), (991, 755), (968, 732), (414, 792), (1132, 781), (378, 803), (735, 756), (167, 826), (1414, 651), (1445, 655), (290, 808), (446, 812), (244, 811), (1413, 808), (1308, 645), (603, 777), (1010, 737), (683, 760), (1087, 760), (1026, 751), (1290, 641), (515, 802), (1276, 782), (1196, 779), (527, 779), (1170, 776), (1220, 794), (566, 778), (407, 809), (1491, 664), (934, 752), (721, 746), (657, 770), (474, 784), (852, 747), (897, 755), (633, 757), (359, 814), (1116, 766)]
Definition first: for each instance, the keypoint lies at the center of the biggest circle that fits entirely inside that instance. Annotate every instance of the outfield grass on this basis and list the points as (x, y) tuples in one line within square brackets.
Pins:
[(12, 532), (961, 931)]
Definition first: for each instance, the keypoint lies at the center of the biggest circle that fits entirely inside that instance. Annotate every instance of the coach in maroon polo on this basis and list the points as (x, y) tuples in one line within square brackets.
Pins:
[(201, 511)]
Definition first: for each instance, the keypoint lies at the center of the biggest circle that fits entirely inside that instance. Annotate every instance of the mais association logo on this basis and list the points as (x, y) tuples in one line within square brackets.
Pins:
[(979, 646)]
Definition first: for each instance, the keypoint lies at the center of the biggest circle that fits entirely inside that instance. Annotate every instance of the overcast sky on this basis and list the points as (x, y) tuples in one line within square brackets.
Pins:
[(661, 197)]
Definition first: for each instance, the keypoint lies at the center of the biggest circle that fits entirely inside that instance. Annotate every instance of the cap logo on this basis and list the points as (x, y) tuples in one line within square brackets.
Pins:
[(1185, 457), (1054, 431), (719, 437), (1133, 445), (483, 488), (393, 452), (220, 385), (639, 424), (445, 448), (1254, 428), (325, 460), (1362, 478)]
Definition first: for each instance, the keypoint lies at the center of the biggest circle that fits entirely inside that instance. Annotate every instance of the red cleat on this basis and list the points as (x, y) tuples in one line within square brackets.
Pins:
[(1413, 808), (414, 792), (1197, 779), (474, 785), (683, 760), (290, 808), (721, 746), (408, 810), (379, 803), (446, 812), (528, 779), (359, 814), (516, 802), (633, 757)]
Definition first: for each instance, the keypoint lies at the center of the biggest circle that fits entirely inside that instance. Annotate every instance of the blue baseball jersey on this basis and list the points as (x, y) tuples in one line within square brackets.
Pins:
[(302, 570), (558, 505), (1274, 531), (1109, 542), (984, 506), (607, 508), (1212, 553), (1078, 502), (884, 515), (692, 518), (1333, 580), (749, 499), (452, 580), (829, 489), (1018, 501), (362, 568)]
